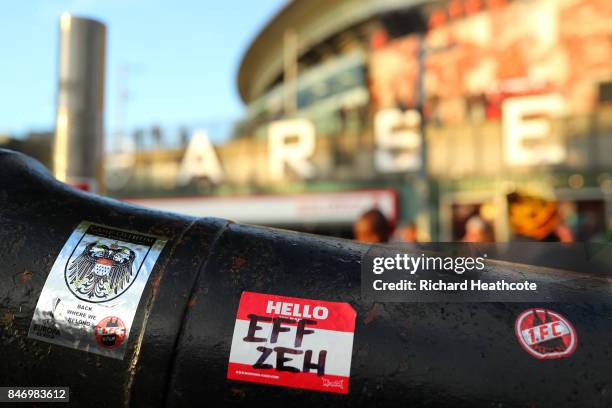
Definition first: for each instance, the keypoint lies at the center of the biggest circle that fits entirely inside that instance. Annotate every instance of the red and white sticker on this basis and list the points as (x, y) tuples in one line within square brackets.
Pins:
[(293, 342), (545, 334), (110, 332)]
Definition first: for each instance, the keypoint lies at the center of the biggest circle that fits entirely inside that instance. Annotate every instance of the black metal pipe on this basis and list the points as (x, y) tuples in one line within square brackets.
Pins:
[(425, 355)]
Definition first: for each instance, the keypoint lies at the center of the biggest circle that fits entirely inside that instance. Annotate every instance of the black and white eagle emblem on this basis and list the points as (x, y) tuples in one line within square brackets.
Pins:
[(101, 272)]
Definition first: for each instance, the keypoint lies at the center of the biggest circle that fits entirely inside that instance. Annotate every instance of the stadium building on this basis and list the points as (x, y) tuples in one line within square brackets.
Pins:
[(432, 111)]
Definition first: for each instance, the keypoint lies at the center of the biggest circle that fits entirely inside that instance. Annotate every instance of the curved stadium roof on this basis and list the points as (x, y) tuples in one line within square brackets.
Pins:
[(313, 21)]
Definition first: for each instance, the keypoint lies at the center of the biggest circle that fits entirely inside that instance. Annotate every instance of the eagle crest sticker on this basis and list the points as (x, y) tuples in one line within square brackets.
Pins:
[(94, 287), (101, 272)]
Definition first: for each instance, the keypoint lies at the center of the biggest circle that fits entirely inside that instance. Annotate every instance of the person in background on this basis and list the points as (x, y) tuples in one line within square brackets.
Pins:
[(536, 219), (477, 230), (372, 227), (405, 233)]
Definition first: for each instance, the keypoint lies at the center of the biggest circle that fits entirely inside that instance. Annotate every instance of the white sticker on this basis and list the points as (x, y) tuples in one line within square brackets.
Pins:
[(292, 342), (92, 292)]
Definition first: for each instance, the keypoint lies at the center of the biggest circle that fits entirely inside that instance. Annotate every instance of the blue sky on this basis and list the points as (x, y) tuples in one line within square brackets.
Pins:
[(181, 59)]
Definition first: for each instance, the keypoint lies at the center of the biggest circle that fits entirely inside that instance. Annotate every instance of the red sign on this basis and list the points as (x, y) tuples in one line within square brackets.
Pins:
[(81, 186), (545, 334), (292, 342)]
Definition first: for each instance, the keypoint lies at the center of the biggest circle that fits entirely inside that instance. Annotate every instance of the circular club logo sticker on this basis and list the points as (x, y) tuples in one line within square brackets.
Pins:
[(545, 334), (110, 332)]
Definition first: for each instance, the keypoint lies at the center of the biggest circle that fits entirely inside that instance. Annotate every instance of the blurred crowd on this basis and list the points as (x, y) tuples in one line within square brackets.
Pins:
[(530, 218)]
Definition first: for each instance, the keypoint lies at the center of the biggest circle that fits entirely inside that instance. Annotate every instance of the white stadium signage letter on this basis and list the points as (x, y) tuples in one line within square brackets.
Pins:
[(200, 160), (520, 130), (398, 140), (291, 142)]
